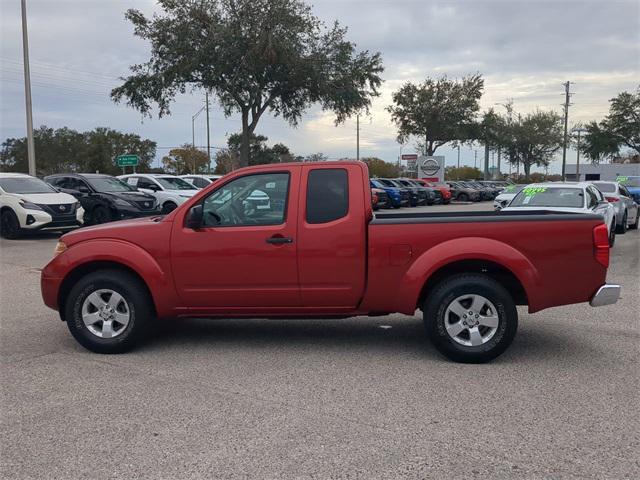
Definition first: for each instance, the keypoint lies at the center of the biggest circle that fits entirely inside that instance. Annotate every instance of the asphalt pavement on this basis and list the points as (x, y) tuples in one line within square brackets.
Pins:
[(358, 398)]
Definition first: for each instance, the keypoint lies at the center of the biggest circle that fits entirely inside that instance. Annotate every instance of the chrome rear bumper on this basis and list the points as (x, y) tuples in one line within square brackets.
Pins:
[(607, 294)]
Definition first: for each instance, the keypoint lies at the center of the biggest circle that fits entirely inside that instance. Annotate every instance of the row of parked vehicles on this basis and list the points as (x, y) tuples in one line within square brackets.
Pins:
[(411, 192)]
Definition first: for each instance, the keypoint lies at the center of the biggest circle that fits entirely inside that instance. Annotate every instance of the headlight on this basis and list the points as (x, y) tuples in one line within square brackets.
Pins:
[(122, 203), (60, 247), (29, 206)]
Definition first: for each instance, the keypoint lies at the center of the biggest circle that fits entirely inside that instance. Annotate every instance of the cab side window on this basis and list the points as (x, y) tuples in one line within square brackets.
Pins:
[(592, 198), (327, 195), (247, 201)]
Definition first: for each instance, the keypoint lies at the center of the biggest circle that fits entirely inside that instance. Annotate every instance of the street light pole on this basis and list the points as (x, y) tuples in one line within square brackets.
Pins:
[(31, 151), (358, 136)]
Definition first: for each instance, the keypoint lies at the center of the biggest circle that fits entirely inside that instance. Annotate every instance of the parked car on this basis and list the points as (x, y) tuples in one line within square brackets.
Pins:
[(443, 188), (422, 195), (398, 197), (486, 193), (379, 199), (169, 191), (626, 209), (29, 204), (434, 196), (466, 272), (578, 197), (631, 183), (414, 199), (104, 198), (462, 193), (507, 194), (200, 181)]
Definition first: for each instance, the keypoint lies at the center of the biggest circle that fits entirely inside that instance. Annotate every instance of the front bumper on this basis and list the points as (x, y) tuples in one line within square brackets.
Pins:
[(607, 294)]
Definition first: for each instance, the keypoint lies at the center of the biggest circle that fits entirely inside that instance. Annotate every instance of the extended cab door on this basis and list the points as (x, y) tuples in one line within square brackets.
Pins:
[(331, 235), (245, 254)]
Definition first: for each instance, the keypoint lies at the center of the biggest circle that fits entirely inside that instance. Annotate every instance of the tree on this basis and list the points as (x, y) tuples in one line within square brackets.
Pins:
[(260, 153), (315, 157), (437, 111), (534, 139), (598, 143), (380, 168), (462, 173), (186, 159), (66, 150), (227, 160), (623, 120), (255, 56)]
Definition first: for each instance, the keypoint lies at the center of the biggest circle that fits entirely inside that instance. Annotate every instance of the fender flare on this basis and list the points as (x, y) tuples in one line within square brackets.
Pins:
[(469, 248), (129, 255)]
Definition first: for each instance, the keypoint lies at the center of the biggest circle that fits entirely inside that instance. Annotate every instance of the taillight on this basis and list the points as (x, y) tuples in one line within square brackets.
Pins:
[(612, 199), (601, 244)]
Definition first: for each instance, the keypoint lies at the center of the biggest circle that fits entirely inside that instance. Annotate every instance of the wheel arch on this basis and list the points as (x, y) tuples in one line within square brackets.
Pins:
[(470, 255), (84, 269)]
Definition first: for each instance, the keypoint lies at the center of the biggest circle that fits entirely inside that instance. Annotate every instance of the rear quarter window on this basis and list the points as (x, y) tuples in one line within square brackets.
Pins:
[(327, 195)]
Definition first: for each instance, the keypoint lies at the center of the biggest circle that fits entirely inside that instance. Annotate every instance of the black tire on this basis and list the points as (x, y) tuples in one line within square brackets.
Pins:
[(622, 228), (100, 214), (463, 197), (138, 303), (168, 207), (612, 234), (635, 225), (10, 225), (450, 289)]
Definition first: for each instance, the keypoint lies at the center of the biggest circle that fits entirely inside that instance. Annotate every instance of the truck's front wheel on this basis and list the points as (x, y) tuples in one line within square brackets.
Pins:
[(470, 318), (106, 311)]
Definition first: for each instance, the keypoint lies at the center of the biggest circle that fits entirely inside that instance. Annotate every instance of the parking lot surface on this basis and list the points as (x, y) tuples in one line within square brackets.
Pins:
[(355, 398)]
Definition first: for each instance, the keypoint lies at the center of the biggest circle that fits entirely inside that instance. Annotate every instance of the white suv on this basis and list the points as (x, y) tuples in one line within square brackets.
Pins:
[(169, 190), (200, 181), (27, 204)]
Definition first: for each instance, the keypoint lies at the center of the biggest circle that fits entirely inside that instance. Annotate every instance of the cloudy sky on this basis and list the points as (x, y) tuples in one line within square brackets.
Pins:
[(524, 49)]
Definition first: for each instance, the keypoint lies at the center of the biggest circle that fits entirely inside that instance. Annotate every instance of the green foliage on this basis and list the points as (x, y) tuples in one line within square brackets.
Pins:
[(66, 150), (186, 159), (380, 168), (598, 143), (623, 120), (462, 173), (315, 157), (255, 56), (437, 111), (260, 153), (534, 139)]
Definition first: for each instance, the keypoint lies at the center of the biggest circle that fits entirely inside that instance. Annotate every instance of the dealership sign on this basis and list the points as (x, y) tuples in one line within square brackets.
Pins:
[(411, 159), (431, 168)]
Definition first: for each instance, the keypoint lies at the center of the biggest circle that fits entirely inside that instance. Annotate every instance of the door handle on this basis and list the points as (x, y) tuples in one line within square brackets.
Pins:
[(279, 240)]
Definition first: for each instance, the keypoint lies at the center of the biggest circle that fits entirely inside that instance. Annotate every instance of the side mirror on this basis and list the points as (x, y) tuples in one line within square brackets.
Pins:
[(194, 217)]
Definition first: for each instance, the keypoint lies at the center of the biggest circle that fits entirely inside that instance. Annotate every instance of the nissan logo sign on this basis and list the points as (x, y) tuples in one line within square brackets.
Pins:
[(62, 208), (430, 166)]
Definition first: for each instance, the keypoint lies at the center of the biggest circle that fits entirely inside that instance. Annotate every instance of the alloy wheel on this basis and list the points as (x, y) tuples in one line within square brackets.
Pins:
[(105, 313), (471, 320)]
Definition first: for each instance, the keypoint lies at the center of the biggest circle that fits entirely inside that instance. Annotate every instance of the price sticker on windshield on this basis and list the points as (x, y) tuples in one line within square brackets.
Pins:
[(622, 179), (531, 191)]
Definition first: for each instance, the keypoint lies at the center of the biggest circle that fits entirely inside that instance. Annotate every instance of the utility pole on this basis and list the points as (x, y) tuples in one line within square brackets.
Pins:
[(579, 131), (486, 162), (206, 96), (458, 155), (31, 150), (475, 159), (499, 173), (567, 96), (358, 136)]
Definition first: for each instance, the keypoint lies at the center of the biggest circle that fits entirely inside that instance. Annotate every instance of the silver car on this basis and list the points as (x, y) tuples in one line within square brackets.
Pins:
[(506, 195), (627, 211)]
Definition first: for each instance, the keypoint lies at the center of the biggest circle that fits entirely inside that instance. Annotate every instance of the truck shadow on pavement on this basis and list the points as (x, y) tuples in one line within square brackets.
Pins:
[(401, 335)]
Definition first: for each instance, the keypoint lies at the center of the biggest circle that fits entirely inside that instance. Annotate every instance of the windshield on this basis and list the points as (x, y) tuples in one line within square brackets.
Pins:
[(629, 181), (173, 183), (549, 197), (513, 189), (388, 183), (606, 187), (109, 184), (25, 185)]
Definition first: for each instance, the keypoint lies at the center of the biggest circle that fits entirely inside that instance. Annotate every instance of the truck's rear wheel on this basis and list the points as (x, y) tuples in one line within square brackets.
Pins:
[(107, 310), (470, 318)]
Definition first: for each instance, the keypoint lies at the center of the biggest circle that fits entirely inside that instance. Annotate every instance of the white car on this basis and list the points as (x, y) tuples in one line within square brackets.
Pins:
[(200, 181), (169, 190), (506, 195), (570, 197), (28, 204)]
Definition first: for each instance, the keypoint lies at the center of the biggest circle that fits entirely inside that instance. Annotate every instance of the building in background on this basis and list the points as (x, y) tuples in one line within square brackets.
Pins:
[(605, 171)]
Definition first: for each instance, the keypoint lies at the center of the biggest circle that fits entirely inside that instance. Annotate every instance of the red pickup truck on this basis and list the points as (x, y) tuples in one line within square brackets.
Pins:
[(317, 250)]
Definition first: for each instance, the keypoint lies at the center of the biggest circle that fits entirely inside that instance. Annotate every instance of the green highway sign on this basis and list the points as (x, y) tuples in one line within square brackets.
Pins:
[(128, 160)]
